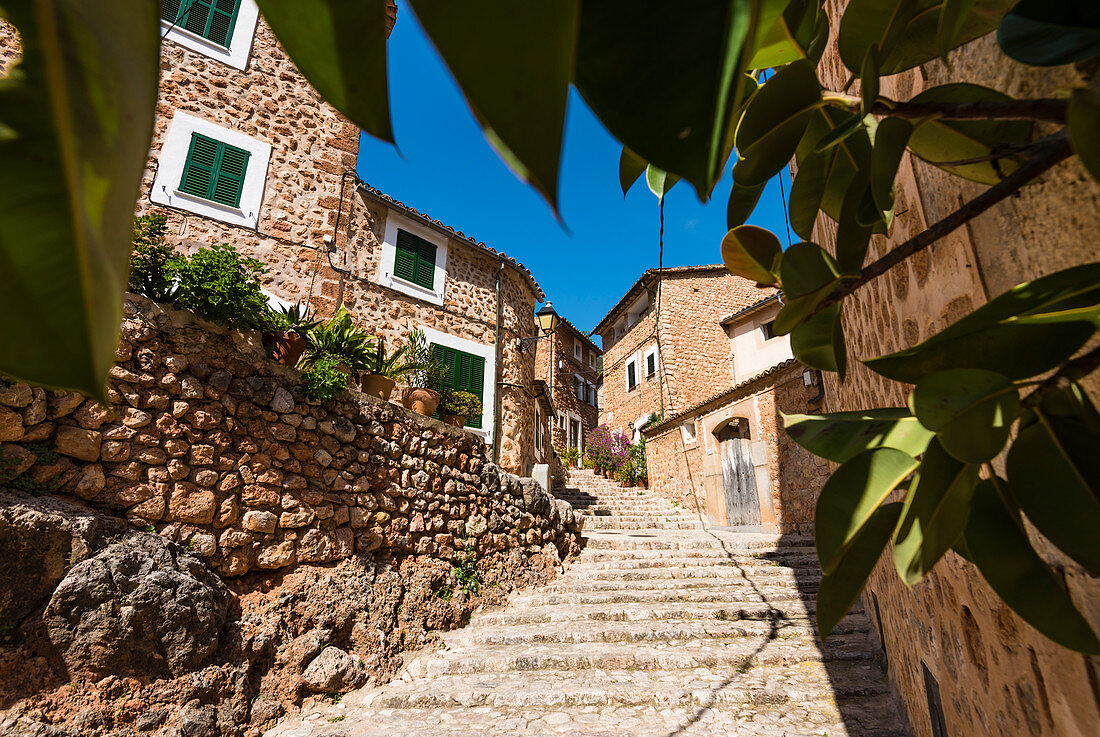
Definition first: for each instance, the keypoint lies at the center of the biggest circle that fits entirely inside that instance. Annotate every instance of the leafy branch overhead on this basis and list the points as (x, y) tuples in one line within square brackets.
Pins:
[(691, 92)]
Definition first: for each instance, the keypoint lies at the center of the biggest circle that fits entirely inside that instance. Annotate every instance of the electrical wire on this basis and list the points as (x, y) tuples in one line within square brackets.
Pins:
[(786, 213)]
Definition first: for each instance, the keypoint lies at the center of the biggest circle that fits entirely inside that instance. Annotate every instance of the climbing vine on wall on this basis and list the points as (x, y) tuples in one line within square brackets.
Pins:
[(683, 89)]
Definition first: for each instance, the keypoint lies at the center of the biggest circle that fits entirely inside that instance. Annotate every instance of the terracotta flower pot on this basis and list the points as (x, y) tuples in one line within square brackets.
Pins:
[(287, 347), (643, 483), (423, 401), (377, 386), (456, 420)]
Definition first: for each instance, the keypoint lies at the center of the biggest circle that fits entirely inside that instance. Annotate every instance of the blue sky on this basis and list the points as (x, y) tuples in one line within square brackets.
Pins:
[(446, 169)]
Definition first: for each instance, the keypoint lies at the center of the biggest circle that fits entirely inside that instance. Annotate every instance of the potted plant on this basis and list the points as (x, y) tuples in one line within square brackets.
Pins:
[(425, 372), (383, 371), (456, 406), (624, 474), (338, 338), (569, 456), (287, 336), (636, 460)]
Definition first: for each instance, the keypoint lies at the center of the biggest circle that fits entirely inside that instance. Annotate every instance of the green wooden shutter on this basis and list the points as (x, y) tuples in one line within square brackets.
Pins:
[(202, 163), (214, 20), (223, 17), (170, 10), (467, 374), (404, 265), (476, 385), (425, 264), (230, 180)]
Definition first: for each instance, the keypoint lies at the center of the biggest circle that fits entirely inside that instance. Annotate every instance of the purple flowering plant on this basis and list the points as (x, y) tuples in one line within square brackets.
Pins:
[(607, 449)]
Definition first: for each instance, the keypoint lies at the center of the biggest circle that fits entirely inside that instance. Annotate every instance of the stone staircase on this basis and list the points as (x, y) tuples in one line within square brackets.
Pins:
[(660, 628)]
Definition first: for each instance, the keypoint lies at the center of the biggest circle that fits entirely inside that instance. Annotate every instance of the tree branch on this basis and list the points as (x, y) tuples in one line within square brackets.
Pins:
[(1045, 109), (1053, 153), (1071, 371)]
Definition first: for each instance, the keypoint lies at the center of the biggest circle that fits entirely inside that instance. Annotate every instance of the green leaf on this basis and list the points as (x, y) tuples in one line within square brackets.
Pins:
[(940, 141), (1043, 33), (868, 81), (971, 410), (778, 47), (1084, 121), (853, 237), (514, 64), (76, 116), (837, 436), (797, 309), (1088, 313), (953, 14), (935, 513), (843, 161), (807, 190), (806, 268), (850, 497), (741, 204), (906, 30), (988, 338), (751, 252), (774, 121), (891, 138), (840, 589), (838, 134), (1000, 548), (631, 166), (340, 47), (1054, 473), (819, 342), (667, 90), (659, 182)]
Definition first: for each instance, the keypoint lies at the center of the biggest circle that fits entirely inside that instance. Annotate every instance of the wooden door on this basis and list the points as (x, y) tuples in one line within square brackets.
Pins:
[(738, 477)]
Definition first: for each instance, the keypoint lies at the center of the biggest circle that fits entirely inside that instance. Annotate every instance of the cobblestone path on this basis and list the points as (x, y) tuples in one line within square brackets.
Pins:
[(659, 628)]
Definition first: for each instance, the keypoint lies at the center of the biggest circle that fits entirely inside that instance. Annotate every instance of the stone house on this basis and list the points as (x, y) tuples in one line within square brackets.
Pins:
[(961, 661), (569, 362), (245, 152), (726, 455)]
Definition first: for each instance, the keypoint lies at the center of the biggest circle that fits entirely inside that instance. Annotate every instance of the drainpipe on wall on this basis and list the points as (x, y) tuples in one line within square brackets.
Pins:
[(499, 367)]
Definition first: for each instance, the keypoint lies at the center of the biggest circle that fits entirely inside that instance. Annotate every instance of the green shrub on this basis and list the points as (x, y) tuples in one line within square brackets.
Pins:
[(222, 287), (339, 338), (465, 570), (587, 462), (153, 263), (324, 379), (293, 319), (463, 404), (570, 455)]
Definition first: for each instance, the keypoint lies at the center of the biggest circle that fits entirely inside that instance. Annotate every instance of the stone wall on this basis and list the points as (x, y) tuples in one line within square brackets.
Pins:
[(213, 446), (789, 478), (996, 675)]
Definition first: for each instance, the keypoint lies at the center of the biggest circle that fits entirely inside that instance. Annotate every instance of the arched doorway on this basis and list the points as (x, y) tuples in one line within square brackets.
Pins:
[(738, 472)]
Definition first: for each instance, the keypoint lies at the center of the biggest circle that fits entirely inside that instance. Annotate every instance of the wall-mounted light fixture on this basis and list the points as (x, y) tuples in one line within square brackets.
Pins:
[(809, 376), (548, 323)]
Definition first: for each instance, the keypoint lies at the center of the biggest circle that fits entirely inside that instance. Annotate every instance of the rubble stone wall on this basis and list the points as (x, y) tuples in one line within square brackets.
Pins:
[(212, 445)]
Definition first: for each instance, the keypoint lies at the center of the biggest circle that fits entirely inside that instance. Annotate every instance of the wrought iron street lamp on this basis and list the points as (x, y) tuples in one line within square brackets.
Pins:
[(548, 323)]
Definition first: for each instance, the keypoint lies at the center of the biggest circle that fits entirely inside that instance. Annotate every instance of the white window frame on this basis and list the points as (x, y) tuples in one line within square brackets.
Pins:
[(651, 351), (578, 351), (489, 394), (240, 45), (764, 332), (688, 432), (538, 430), (578, 388), (626, 373), (395, 222), (173, 158), (592, 393)]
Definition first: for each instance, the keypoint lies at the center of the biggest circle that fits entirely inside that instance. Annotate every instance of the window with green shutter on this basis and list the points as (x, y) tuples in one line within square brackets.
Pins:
[(467, 373), (214, 170), (211, 19), (414, 260)]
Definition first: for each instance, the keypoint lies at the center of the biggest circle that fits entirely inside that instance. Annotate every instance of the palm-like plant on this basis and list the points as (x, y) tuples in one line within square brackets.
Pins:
[(340, 339)]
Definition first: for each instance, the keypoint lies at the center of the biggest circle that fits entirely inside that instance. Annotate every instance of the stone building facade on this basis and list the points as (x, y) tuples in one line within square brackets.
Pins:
[(664, 345), (955, 652), (568, 362), (726, 455), (245, 152)]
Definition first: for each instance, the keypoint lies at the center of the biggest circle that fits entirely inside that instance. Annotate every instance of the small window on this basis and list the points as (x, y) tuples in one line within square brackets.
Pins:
[(651, 364), (214, 170), (687, 430), (538, 429), (768, 329), (578, 388), (211, 19), (631, 376), (467, 373), (414, 260), (578, 351)]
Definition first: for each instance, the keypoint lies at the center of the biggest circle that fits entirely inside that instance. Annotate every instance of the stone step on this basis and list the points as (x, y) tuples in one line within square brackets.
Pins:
[(606, 523), (739, 655), (793, 610), (747, 555), (852, 634), (624, 540), (760, 686), (778, 595), (801, 564), (654, 584), (732, 574)]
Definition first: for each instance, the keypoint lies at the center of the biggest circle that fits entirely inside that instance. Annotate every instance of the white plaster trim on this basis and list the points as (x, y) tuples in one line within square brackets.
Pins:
[(489, 401), (240, 46), (651, 351), (389, 255), (173, 157), (569, 417), (638, 377)]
